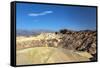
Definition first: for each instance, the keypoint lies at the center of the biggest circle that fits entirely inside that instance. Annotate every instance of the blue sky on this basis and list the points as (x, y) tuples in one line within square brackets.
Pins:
[(54, 17)]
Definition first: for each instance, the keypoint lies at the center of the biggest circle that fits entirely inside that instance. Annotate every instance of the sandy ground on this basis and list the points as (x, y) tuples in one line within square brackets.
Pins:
[(42, 55)]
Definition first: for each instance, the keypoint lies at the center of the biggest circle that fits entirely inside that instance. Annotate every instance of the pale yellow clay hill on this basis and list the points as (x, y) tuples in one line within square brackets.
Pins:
[(42, 36), (43, 55)]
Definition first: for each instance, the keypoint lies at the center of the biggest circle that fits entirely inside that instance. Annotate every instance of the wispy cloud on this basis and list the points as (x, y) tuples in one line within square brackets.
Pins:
[(40, 14)]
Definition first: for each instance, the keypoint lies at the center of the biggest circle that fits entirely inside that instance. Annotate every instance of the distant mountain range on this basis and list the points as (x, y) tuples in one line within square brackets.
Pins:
[(21, 32)]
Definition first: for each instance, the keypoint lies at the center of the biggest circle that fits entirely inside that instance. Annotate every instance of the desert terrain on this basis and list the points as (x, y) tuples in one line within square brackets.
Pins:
[(56, 47)]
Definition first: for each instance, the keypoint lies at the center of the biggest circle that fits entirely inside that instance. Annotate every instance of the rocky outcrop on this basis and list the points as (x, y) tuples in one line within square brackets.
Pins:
[(81, 41)]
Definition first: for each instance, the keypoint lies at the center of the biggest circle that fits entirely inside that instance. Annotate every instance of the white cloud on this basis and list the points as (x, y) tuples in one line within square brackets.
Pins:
[(40, 14)]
